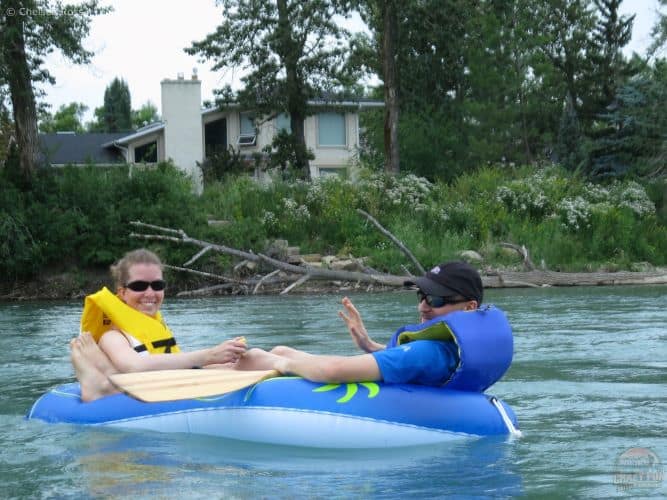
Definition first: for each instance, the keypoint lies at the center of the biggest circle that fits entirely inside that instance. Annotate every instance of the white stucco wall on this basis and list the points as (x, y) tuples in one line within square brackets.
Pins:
[(181, 112)]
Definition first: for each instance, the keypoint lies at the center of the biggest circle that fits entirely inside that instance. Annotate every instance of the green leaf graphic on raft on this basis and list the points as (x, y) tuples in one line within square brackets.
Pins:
[(373, 390)]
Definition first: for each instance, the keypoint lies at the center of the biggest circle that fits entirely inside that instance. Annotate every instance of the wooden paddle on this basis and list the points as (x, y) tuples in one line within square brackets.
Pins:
[(172, 385)]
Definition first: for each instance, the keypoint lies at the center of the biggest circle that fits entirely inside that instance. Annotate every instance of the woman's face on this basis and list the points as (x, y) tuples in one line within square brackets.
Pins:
[(149, 300)]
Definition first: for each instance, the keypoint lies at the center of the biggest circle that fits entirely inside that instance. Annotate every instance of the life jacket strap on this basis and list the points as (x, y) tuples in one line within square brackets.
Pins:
[(166, 343)]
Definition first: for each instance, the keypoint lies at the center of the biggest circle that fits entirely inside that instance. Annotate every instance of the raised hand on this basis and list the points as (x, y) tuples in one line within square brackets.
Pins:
[(355, 326)]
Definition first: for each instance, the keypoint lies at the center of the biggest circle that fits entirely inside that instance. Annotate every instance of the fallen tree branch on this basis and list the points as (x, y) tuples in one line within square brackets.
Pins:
[(205, 290), (523, 252), (314, 272), (297, 283), (264, 278), (394, 240), (203, 273), (492, 279), (196, 256), (553, 278)]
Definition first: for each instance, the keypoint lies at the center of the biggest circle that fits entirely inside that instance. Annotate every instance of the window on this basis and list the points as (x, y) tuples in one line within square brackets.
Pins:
[(248, 136), (215, 136), (146, 153), (283, 123), (333, 171), (331, 129)]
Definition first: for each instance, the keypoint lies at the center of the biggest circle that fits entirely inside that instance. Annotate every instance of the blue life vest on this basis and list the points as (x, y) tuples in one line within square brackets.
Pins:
[(484, 340)]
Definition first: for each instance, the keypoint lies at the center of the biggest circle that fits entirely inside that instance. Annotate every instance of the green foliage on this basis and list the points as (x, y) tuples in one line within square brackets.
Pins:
[(219, 165), (116, 114), (285, 151), (117, 110), (145, 115), (632, 137), (81, 216), (29, 31), (66, 119)]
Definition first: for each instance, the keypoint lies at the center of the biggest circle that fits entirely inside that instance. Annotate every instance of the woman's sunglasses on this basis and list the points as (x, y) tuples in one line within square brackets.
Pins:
[(435, 300), (142, 286)]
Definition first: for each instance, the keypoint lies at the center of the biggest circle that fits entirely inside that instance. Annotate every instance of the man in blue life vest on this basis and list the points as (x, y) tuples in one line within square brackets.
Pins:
[(448, 287)]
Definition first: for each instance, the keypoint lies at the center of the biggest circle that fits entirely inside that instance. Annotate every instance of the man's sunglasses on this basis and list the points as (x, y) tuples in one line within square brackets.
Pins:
[(142, 286), (435, 300)]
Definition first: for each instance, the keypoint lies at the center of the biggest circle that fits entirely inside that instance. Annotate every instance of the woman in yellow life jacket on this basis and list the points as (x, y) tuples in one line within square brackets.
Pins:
[(124, 332)]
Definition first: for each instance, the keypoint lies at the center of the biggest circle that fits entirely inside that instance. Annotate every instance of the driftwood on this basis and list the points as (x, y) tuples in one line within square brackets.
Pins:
[(264, 278), (523, 252), (205, 274), (299, 274), (207, 290), (179, 236), (393, 239), (298, 282), (552, 278)]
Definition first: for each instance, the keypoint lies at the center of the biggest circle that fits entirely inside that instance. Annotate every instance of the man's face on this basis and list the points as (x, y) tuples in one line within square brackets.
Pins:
[(428, 312)]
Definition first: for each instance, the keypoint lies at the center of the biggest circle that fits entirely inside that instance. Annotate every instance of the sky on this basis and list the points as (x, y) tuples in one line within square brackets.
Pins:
[(142, 41)]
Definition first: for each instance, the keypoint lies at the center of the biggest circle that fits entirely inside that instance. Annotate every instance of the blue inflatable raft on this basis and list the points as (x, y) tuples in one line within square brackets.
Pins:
[(294, 411)]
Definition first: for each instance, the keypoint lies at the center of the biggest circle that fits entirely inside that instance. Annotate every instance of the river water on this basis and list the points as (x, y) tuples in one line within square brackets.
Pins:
[(588, 384)]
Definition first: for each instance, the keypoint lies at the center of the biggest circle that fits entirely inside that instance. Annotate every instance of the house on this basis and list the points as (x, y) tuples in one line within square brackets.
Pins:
[(187, 133)]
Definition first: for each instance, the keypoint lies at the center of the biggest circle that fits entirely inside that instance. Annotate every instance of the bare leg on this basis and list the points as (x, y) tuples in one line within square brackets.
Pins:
[(94, 383), (93, 352), (289, 352)]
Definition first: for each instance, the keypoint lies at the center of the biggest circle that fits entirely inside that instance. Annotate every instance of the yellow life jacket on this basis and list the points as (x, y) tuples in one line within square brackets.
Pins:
[(103, 311)]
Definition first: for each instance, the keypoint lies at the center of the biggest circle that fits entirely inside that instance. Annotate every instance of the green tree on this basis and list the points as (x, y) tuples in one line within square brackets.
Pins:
[(117, 109), (659, 31), (611, 34), (292, 51), (383, 16), (66, 119), (428, 69), (145, 115), (30, 30), (635, 123)]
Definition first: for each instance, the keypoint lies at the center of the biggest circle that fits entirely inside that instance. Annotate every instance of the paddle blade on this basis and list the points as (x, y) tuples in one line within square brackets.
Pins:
[(172, 385)]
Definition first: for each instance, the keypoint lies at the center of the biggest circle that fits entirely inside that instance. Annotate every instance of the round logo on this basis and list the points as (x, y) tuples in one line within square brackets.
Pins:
[(638, 468)]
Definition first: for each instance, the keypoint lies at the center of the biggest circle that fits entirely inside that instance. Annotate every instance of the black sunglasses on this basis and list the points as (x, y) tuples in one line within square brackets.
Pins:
[(141, 286), (435, 300)]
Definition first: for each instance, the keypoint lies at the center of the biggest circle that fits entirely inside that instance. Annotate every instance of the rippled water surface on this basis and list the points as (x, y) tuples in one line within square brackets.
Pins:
[(588, 382)]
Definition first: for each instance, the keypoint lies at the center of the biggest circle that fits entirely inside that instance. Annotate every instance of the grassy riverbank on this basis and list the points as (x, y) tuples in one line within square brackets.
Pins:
[(78, 218)]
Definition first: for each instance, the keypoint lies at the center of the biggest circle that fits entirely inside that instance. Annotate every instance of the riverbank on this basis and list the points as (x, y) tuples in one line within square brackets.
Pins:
[(76, 284)]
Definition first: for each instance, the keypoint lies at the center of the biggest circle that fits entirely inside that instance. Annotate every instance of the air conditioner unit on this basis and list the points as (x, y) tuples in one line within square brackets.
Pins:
[(247, 140)]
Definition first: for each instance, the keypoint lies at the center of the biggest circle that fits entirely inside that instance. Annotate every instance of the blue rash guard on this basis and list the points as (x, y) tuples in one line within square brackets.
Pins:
[(425, 362)]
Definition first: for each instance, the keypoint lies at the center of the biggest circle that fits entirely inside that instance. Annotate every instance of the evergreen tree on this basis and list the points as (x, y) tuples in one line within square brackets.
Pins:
[(635, 123), (117, 109), (611, 69), (292, 51)]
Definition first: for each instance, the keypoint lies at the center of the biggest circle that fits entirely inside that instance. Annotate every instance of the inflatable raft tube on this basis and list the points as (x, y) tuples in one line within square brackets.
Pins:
[(293, 411)]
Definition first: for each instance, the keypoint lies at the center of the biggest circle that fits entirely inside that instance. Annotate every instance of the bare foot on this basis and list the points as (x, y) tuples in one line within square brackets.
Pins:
[(93, 352), (94, 383)]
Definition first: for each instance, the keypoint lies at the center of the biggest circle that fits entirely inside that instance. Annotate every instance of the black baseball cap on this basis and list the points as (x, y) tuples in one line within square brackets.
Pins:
[(450, 279)]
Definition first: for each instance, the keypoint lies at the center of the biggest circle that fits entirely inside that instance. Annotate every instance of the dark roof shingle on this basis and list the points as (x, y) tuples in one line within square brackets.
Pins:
[(64, 148)]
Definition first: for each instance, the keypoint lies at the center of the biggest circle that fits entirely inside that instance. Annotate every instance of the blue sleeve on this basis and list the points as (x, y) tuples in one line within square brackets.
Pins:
[(425, 362)]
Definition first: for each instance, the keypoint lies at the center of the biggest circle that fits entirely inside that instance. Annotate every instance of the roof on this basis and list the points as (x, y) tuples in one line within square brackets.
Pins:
[(65, 147), (61, 148), (125, 139), (320, 102)]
